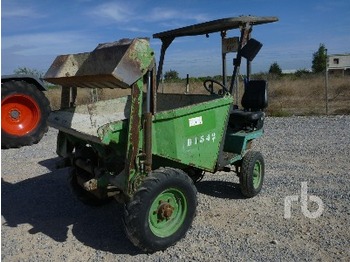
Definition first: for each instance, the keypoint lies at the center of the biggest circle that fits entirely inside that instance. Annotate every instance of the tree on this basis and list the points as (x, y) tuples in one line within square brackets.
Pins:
[(275, 69), (319, 59), (28, 71), (171, 75)]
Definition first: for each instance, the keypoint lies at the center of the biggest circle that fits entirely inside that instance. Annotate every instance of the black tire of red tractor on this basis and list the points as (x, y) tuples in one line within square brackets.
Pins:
[(137, 213), (12, 88), (250, 182)]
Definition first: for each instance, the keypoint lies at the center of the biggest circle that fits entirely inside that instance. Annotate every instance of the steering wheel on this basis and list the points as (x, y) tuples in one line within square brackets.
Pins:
[(209, 86)]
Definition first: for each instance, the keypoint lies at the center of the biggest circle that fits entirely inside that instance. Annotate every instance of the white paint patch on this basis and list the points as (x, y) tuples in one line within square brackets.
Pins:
[(196, 121)]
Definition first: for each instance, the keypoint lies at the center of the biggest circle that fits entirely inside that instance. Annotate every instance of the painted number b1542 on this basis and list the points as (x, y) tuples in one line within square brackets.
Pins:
[(208, 138)]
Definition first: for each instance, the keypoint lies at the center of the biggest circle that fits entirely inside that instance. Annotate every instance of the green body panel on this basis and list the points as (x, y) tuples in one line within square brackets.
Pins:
[(117, 133), (172, 136), (191, 135), (236, 142)]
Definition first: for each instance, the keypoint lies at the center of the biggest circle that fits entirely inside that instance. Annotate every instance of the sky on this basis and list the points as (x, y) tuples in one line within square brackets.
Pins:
[(34, 32)]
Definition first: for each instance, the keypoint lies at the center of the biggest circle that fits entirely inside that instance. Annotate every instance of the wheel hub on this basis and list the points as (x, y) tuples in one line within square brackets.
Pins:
[(168, 213), (165, 211), (20, 114), (15, 114)]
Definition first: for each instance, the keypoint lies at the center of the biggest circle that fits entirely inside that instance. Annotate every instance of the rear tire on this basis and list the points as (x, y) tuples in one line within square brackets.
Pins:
[(24, 114), (252, 173), (161, 210)]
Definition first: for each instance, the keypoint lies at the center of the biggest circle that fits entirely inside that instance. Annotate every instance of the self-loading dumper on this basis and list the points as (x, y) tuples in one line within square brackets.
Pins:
[(147, 149)]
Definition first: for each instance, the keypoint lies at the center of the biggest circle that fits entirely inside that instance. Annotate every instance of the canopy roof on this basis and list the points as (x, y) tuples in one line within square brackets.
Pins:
[(219, 25)]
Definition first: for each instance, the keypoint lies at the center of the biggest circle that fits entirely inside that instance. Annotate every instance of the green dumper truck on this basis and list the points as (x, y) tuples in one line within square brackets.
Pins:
[(148, 148)]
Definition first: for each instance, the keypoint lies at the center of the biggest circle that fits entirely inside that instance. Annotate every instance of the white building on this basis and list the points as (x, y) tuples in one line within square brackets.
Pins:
[(339, 64)]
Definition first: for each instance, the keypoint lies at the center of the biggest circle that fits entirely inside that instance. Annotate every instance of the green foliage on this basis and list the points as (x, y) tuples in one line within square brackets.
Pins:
[(171, 75), (275, 69), (319, 59), (28, 71)]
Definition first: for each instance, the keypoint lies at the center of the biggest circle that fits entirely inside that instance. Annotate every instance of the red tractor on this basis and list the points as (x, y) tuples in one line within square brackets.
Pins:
[(24, 110)]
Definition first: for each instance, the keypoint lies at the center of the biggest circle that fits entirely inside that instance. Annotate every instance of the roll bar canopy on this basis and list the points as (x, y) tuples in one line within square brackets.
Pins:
[(244, 23), (218, 25)]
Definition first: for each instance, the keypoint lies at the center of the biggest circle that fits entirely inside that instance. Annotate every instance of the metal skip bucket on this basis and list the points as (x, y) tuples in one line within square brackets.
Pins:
[(110, 65)]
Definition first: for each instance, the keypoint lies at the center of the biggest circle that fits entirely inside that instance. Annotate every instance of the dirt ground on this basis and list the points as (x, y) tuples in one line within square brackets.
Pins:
[(307, 161)]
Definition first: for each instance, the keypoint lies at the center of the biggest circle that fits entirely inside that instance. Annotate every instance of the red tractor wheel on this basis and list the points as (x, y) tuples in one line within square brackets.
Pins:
[(24, 113)]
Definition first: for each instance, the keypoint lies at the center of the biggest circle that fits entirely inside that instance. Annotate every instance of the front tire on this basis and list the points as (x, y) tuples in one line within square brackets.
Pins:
[(24, 113), (252, 173), (161, 211)]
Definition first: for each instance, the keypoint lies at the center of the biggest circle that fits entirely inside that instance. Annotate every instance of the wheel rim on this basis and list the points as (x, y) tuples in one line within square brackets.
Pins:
[(20, 114), (257, 174), (168, 212)]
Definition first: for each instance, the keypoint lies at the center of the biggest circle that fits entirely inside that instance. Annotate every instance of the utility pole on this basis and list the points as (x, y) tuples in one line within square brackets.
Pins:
[(326, 84)]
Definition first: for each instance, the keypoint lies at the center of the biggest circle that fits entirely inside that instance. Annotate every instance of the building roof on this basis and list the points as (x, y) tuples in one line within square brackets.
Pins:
[(339, 55)]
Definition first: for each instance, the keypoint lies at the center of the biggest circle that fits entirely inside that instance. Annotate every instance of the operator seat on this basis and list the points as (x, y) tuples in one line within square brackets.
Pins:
[(254, 101)]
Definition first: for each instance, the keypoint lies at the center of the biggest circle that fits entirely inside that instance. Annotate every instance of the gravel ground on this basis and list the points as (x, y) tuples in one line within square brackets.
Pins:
[(42, 221)]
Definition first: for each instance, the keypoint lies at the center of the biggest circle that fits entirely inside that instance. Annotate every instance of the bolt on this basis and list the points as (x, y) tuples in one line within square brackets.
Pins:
[(14, 114)]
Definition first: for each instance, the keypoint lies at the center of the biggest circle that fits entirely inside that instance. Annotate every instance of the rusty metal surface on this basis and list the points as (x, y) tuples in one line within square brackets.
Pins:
[(110, 65), (66, 65), (164, 211), (134, 131)]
